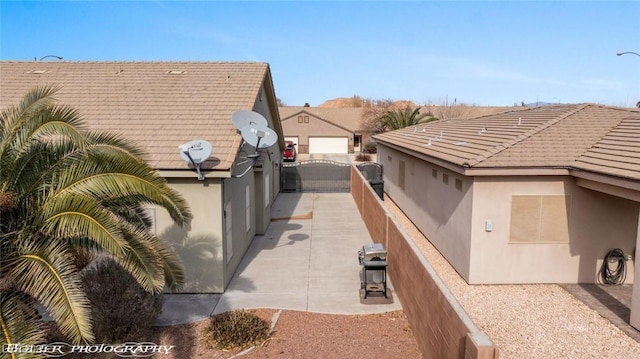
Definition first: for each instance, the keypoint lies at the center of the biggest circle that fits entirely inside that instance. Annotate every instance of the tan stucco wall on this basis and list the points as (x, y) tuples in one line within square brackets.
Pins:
[(203, 245), (270, 167), (315, 128), (199, 245), (597, 223), (438, 209), (454, 220), (235, 193)]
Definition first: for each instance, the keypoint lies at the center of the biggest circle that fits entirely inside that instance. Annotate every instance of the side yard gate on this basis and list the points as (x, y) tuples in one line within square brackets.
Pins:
[(315, 176)]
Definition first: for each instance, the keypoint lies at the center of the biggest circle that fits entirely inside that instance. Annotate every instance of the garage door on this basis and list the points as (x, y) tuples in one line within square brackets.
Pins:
[(328, 145)]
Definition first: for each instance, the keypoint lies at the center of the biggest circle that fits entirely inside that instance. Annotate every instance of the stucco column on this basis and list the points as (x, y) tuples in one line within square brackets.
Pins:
[(635, 299)]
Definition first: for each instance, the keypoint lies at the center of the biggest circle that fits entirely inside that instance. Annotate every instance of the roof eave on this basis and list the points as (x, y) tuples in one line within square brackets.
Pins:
[(436, 161), (517, 171), (180, 173), (600, 182)]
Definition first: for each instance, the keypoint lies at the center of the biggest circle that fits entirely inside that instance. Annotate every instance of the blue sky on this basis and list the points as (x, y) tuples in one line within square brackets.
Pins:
[(484, 53)]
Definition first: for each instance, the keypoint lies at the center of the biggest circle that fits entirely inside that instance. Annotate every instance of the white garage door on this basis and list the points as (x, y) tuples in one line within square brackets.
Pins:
[(328, 145)]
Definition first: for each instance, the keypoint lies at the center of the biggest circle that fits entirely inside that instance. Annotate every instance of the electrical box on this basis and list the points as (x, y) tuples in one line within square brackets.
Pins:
[(488, 226)]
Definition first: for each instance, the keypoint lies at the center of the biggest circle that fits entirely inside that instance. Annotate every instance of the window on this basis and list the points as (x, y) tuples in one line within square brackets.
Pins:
[(412, 168), (247, 206), (401, 174), (306, 119), (540, 219), (299, 119), (445, 178), (434, 173)]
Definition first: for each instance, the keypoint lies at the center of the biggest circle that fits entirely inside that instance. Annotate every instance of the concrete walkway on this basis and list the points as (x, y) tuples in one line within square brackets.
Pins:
[(307, 260)]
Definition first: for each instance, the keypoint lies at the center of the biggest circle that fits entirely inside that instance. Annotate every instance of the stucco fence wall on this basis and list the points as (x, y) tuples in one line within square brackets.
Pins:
[(441, 326)]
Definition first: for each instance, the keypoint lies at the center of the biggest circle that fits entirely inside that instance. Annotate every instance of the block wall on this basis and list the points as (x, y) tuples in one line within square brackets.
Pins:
[(440, 325)]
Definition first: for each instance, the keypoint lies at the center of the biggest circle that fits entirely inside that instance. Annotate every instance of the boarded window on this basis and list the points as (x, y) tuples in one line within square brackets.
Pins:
[(540, 219), (401, 174)]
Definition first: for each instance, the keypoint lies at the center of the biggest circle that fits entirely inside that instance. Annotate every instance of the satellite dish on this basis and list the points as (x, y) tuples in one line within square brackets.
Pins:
[(243, 118), (196, 152), (259, 136), (255, 131)]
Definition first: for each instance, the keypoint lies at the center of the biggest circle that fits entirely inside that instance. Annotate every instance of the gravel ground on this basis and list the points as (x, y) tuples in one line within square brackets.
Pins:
[(528, 321), (304, 335), (296, 335)]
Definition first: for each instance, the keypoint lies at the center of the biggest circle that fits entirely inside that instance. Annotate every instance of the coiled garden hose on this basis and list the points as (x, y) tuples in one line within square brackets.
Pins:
[(613, 275)]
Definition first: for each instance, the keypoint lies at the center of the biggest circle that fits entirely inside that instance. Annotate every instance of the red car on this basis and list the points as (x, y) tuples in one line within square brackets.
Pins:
[(289, 153)]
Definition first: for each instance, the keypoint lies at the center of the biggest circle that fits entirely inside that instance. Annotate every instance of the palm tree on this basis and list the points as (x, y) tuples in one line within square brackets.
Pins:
[(396, 119), (64, 191)]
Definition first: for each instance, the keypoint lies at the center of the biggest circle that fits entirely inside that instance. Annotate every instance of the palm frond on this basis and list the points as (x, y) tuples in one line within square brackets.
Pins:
[(14, 116), (73, 190), (117, 142), (174, 272), (142, 261), (47, 274), (19, 324), (397, 119), (110, 186), (76, 215)]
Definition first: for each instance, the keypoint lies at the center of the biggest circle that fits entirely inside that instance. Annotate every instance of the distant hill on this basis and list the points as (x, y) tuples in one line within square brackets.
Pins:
[(357, 101)]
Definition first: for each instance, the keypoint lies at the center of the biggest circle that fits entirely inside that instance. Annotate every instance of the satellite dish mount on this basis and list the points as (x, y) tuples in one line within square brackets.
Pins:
[(254, 131), (196, 152)]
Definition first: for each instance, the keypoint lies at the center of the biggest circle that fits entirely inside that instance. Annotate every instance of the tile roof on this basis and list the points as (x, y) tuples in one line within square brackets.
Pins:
[(349, 118), (585, 136), (159, 105), (617, 153)]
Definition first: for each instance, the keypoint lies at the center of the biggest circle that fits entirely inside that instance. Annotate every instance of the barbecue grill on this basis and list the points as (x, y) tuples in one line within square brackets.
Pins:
[(373, 277)]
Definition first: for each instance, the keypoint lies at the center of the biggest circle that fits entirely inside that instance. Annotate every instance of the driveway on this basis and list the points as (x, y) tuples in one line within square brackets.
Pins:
[(307, 260)]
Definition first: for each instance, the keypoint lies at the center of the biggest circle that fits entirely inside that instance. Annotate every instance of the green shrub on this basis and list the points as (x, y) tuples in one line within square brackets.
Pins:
[(371, 147), (122, 309), (237, 328)]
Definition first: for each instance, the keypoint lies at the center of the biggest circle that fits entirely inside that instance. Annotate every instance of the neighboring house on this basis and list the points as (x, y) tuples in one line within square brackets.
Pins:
[(530, 196), (342, 130), (324, 130), (161, 105)]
